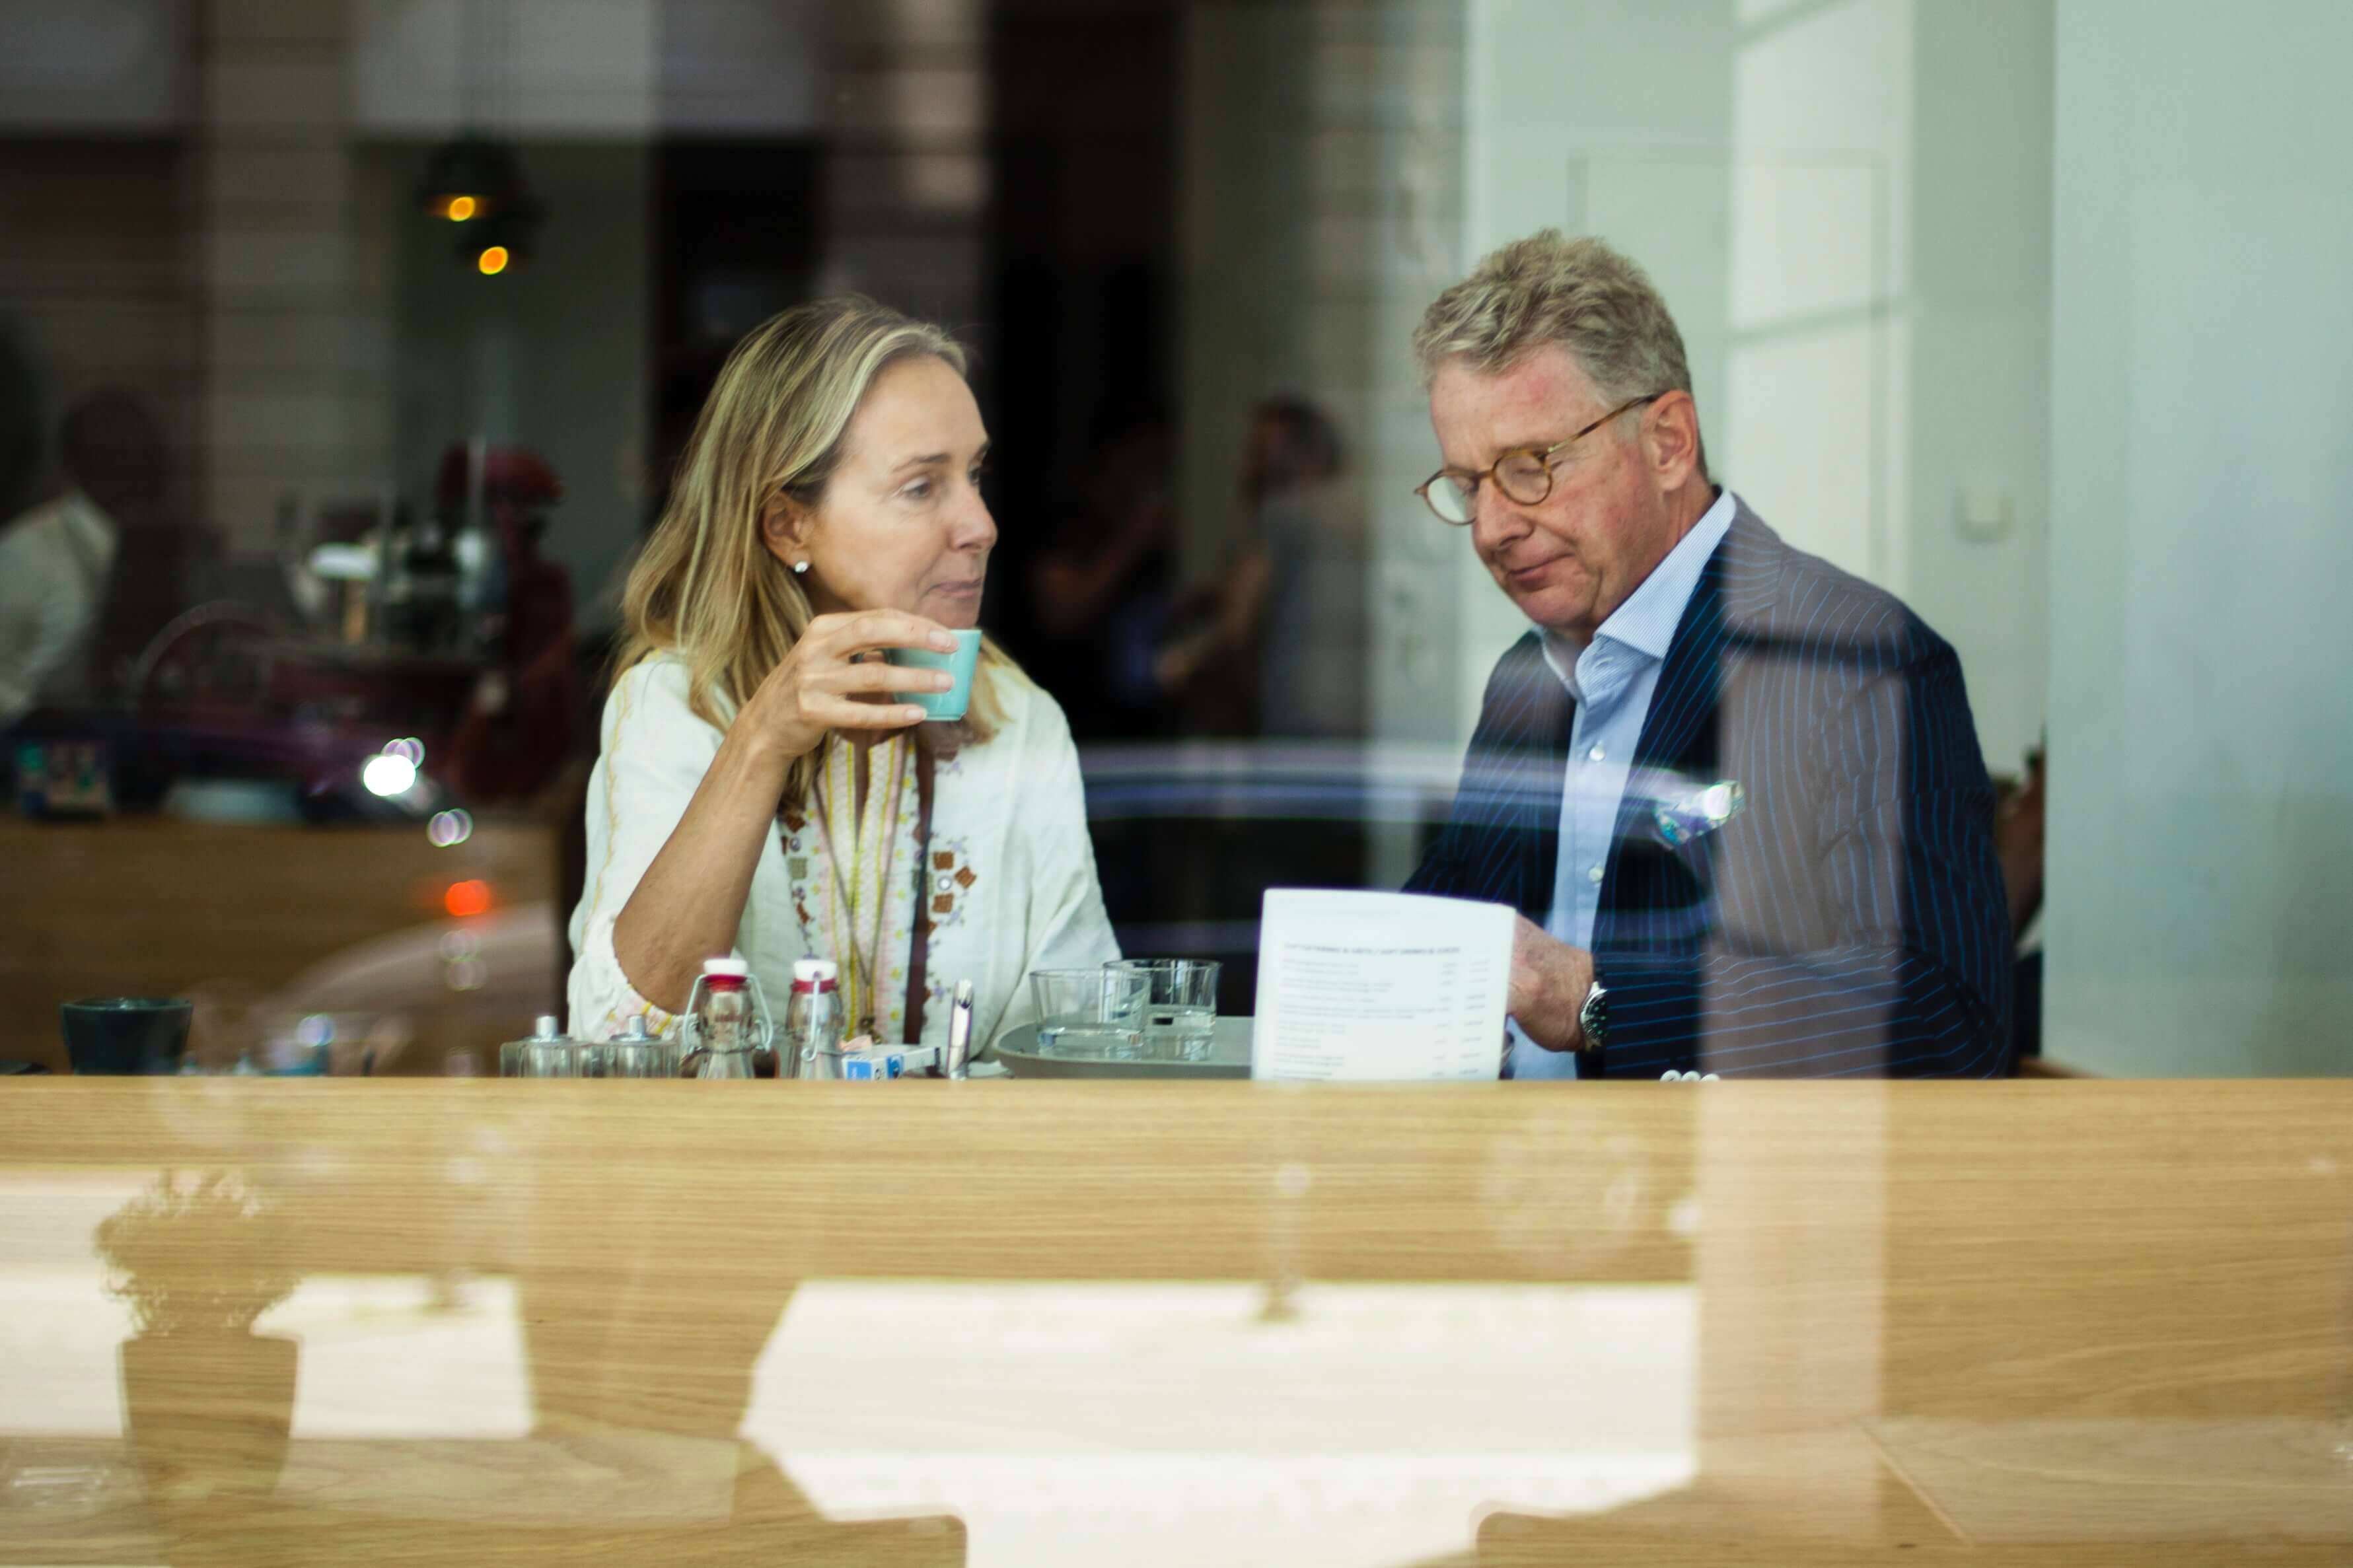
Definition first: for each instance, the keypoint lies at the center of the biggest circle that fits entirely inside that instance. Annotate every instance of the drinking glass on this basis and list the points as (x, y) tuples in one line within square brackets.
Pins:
[(1096, 1012), (1180, 1012)]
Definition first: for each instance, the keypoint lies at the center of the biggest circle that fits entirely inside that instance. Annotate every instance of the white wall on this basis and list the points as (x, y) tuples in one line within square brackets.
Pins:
[(1607, 118), (2202, 827), (1846, 205), (1977, 337)]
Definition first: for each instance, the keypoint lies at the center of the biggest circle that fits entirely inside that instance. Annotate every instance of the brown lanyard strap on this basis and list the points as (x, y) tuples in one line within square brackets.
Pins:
[(920, 943)]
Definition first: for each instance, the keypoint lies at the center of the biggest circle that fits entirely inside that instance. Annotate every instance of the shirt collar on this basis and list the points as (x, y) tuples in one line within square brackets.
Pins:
[(1646, 621)]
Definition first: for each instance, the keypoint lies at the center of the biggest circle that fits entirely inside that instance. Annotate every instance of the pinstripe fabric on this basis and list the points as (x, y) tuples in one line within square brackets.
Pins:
[(1851, 920)]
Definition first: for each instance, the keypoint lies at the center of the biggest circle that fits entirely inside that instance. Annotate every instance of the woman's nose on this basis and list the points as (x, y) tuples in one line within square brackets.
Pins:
[(974, 528)]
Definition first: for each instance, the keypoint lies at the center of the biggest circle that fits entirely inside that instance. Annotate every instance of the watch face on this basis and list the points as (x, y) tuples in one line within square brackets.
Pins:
[(1593, 1017)]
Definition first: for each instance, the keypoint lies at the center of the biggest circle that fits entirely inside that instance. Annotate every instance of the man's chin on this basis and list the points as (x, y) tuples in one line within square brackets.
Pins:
[(1554, 608)]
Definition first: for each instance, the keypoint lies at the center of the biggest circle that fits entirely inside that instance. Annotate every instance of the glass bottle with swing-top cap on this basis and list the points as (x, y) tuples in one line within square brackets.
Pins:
[(726, 1022), (813, 1022)]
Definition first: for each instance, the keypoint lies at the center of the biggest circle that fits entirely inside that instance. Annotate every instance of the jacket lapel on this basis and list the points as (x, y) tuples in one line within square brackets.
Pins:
[(1657, 889), (1526, 764), (1679, 731), (1682, 730)]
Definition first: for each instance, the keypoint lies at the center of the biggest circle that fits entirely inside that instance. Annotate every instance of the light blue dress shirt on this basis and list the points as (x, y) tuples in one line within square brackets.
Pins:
[(1611, 679)]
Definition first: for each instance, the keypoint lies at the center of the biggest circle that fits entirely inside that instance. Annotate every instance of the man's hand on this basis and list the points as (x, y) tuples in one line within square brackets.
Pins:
[(1549, 981)]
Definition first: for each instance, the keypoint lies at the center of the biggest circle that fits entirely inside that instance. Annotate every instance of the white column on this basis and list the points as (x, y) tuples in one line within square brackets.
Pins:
[(907, 176), (2201, 777), (287, 382)]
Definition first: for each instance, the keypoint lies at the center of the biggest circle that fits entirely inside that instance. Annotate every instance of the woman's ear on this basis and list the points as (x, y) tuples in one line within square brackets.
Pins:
[(784, 528)]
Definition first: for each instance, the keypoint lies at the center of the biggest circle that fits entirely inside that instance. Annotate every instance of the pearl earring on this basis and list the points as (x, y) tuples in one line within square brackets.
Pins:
[(800, 568)]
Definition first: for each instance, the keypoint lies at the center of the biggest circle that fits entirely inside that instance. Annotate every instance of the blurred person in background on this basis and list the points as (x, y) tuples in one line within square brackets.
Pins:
[(1734, 793), (759, 791), (519, 728), (57, 559), (1100, 595), (1284, 623)]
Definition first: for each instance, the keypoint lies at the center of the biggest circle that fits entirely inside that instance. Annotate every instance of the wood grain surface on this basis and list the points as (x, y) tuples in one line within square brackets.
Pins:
[(1040, 1323), (154, 907)]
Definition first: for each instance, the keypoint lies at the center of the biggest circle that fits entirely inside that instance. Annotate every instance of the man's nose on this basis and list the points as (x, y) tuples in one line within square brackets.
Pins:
[(1498, 520)]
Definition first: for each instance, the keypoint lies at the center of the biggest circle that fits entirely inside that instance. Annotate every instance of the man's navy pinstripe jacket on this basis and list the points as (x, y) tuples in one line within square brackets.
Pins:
[(1850, 920)]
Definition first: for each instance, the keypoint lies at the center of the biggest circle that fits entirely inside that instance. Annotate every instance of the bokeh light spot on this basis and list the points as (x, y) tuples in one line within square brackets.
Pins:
[(387, 776)]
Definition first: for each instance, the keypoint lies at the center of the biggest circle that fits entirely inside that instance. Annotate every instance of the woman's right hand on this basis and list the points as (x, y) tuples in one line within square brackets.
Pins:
[(835, 678)]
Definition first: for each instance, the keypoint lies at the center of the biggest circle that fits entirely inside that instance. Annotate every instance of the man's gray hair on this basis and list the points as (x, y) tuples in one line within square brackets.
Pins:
[(1549, 288)]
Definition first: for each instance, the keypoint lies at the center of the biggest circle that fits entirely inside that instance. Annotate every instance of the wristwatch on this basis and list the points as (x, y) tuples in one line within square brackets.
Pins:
[(1593, 1019)]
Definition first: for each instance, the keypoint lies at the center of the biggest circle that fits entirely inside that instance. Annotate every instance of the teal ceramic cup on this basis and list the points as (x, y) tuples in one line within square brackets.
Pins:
[(949, 705)]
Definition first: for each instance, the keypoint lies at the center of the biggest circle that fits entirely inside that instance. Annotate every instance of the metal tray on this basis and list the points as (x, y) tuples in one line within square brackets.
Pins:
[(1229, 1057)]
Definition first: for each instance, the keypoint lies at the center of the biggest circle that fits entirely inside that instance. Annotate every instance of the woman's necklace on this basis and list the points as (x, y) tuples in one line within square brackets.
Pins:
[(861, 837)]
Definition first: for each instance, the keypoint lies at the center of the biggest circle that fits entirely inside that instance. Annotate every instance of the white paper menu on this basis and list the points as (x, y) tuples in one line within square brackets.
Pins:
[(1380, 986)]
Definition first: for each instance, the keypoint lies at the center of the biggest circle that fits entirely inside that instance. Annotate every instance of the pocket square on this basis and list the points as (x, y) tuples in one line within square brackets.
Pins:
[(1702, 812)]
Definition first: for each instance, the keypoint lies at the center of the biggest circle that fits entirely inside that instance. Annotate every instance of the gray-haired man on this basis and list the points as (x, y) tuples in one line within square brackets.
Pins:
[(1735, 794)]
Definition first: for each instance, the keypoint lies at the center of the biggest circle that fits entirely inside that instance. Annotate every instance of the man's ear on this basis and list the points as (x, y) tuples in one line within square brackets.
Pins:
[(1670, 438)]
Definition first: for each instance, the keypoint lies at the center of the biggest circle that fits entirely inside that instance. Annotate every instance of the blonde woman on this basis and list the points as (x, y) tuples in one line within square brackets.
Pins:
[(759, 791)]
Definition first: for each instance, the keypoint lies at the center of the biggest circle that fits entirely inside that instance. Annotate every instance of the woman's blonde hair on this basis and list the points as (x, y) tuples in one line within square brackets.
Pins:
[(706, 589)]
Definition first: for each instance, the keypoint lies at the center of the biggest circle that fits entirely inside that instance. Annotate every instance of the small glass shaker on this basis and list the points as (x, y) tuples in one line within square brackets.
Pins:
[(726, 1022), (548, 1053), (634, 1053), (813, 1022)]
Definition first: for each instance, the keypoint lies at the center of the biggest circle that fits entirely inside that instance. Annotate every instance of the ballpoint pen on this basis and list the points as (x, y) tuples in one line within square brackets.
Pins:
[(957, 1062)]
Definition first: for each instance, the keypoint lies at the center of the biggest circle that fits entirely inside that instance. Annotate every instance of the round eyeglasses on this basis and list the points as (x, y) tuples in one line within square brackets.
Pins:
[(1524, 475)]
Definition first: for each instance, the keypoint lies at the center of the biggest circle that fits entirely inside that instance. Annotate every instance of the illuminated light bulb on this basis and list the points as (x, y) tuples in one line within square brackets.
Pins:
[(388, 774), (468, 899), (460, 208), (448, 828), (492, 261)]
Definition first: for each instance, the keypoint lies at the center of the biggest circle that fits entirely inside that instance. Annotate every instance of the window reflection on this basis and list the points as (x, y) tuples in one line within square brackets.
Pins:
[(407, 1356), (1185, 242), (349, 352), (1370, 1425)]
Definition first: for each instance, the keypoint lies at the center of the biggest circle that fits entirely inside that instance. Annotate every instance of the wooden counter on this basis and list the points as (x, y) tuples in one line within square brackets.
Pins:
[(156, 907), (2050, 1323)]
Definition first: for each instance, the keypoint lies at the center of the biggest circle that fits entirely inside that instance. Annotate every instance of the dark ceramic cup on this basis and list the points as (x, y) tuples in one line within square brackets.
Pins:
[(126, 1033)]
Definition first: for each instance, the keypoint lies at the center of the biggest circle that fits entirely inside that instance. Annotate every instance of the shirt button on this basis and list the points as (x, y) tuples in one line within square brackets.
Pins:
[(1594, 874), (1597, 755)]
